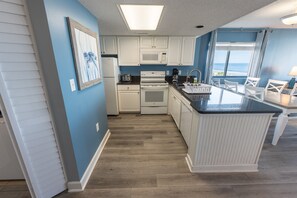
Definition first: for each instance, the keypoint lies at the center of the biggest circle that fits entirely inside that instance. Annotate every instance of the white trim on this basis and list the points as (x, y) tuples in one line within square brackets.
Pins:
[(78, 186), (220, 168)]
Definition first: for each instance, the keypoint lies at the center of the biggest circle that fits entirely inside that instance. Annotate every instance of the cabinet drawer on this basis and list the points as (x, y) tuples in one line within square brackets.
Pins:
[(128, 87)]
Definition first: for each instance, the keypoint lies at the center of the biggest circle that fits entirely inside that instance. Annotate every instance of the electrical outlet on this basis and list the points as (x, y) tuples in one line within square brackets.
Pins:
[(97, 127), (72, 85), (167, 72), (179, 72)]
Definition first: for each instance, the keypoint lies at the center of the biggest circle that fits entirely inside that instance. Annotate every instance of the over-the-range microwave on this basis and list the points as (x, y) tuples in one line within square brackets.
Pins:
[(153, 56)]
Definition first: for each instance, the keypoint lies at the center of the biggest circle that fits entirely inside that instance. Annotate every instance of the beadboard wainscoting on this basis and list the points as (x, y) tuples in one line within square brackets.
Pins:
[(227, 142)]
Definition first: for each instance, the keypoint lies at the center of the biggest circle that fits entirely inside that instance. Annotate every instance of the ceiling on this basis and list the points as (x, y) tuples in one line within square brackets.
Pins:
[(179, 16), (268, 16)]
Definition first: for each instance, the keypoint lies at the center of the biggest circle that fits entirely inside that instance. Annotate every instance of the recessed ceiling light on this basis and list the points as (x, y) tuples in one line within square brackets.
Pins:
[(290, 19), (141, 17), (200, 26)]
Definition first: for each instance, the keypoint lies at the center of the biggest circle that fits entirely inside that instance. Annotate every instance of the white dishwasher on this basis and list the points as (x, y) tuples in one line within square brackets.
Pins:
[(186, 121)]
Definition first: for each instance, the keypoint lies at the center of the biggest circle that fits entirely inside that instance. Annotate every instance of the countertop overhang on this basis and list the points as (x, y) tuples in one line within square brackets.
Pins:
[(222, 101)]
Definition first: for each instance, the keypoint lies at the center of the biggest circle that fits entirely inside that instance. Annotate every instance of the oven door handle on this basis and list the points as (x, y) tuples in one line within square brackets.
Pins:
[(154, 88)]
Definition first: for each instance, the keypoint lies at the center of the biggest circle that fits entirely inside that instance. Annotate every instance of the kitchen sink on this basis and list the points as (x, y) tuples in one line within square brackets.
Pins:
[(197, 88)]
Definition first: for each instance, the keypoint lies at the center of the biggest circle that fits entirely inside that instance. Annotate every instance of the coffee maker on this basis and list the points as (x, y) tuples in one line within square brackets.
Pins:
[(175, 75)]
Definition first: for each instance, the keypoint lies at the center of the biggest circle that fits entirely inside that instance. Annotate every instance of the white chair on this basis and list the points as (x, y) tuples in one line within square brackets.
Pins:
[(276, 85), (251, 81), (216, 82), (254, 92), (230, 85), (294, 90)]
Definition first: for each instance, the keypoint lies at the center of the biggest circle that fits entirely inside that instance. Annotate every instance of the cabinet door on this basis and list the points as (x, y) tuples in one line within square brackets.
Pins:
[(186, 122), (176, 107), (128, 51), (174, 50), (146, 42), (188, 51), (170, 101), (160, 42), (129, 101), (109, 45)]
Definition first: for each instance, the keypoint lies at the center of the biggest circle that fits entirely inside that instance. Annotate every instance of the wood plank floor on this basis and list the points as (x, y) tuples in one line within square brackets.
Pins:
[(145, 157)]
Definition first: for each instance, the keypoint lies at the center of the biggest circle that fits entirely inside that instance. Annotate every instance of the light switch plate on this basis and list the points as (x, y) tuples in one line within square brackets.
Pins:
[(72, 85), (179, 72), (97, 127), (167, 72)]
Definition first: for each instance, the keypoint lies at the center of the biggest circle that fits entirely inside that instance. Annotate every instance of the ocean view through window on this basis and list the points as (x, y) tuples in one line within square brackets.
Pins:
[(232, 59)]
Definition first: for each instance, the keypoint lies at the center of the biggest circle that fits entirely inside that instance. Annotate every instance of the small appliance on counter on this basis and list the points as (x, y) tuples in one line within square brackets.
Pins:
[(125, 77), (175, 75)]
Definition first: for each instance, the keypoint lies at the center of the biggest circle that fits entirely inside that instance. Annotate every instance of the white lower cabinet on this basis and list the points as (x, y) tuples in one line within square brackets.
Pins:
[(129, 98), (186, 121), (181, 112), (176, 107)]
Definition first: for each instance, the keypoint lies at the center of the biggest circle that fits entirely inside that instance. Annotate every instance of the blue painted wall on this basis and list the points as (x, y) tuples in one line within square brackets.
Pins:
[(135, 71), (237, 35), (83, 108), (280, 55)]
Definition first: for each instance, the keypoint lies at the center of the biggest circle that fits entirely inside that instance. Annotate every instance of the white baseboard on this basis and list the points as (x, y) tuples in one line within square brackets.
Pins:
[(220, 168), (78, 186)]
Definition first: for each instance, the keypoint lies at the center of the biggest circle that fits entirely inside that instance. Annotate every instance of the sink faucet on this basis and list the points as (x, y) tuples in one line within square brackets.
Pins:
[(189, 73)]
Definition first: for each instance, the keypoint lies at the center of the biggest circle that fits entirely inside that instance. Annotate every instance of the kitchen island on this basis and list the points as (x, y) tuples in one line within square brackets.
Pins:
[(227, 131)]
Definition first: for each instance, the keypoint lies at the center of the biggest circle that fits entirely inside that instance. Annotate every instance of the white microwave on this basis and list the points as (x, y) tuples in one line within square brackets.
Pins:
[(153, 56)]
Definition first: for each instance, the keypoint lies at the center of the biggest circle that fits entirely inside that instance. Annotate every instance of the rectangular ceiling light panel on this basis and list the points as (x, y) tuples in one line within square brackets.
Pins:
[(142, 17)]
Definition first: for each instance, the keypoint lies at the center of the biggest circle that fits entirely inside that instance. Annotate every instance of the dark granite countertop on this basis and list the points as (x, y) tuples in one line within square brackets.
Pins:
[(135, 80), (222, 101)]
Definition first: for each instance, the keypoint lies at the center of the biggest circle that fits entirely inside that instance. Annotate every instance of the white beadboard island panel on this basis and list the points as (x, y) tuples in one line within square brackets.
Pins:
[(25, 101), (227, 142)]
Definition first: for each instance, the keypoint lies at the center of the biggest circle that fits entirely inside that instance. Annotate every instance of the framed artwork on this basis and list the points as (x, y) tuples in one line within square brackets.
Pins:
[(85, 50)]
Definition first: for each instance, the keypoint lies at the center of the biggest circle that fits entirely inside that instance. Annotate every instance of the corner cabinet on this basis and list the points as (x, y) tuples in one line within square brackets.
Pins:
[(129, 98), (128, 51), (108, 45), (181, 51)]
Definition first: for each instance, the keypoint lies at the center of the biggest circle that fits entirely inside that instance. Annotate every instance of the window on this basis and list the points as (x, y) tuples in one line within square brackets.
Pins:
[(232, 59)]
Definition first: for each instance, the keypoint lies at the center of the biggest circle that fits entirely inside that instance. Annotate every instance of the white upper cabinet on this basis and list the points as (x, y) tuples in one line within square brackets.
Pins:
[(181, 51), (174, 50), (128, 51), (108, 45), (159, 42), (188, 51)]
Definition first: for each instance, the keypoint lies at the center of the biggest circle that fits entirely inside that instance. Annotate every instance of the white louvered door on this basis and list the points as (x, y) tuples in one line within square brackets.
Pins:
[(24, 98)]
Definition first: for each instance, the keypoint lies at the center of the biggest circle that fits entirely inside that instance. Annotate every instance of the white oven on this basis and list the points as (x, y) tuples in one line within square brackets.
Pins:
[(154, 95), (154, 92)]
